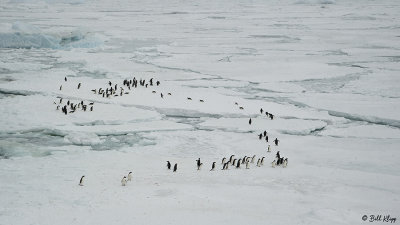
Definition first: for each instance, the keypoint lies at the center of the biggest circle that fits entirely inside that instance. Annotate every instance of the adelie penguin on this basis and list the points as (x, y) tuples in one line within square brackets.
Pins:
[(79, 85), (261, 110), (129, 176), (260, 136), (65, 78), (273, 164), (175, 167), (250, 121), (198, 164), (265, 133), (269, 148), (223, 160), (276, 141), (124, 181), (213, 166), (168, 165), (81, 181)]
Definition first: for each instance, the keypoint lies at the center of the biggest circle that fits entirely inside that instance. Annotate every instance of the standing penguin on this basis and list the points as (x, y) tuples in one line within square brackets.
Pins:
[(273, 164), (250, 121), (81, 181), (260, 136), (129, 176), (269, 148), (123, 181), (265, 133), (79, 85), (278, 155), (223, 160), (285, 162), (252, 158), (198, 164), (60, 87), (238, 164), (258, 162), (213, 166), (168, 165), (276, 141), (261, 110), (262, 161), (175, 167), (65, 78)]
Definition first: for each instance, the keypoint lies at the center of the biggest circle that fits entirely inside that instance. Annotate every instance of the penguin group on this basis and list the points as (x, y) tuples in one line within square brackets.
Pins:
[(175, 166), (71, 107), (279, 161)]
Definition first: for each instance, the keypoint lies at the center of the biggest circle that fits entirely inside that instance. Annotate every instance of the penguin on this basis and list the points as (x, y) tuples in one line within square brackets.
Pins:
[(247, 164), (244, 160), (265, 133), (129, 176), (278, 155), (267, 114), (266, 138), (151, 82), (81, 181), (146, 85), (158, 83), (123, 181), (230, 159), (58, 107), (213, 166), (168, 165), (285, 162), (258, 162), (261, 110), (260, 136), (65, 78), (241, 107), (262, 161), (162, 96), (250, 121), (189, 98), (109, 82), (175, 167), (269, 148), (233, 162), (201, 100), (169, 93), (226, 165), (153, 92), (236, 103), (91, 108), (271, 116), (60, 87), (79, 85), (199, 165), (252, 158), (223, 160), (94, 91), (238, 164), (276, 141), (273, 164), (60, 100)]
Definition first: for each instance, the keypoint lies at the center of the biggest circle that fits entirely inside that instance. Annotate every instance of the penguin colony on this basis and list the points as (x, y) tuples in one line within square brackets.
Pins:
[(112, 90)]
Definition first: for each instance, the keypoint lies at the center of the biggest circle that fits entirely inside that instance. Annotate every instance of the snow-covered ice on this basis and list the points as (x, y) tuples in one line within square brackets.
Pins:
[(328, 70)]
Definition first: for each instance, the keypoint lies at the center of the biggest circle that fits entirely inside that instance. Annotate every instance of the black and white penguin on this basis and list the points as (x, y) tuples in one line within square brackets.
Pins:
[(258, 162), (226, 166), (285, 162), (79, 85), (189, 98), (261, 110), (271, 116), (153, 92), (168, 165), (244, 159), (247, 164), (201, 100), (129, 176), (241, 107), (175, 167), (265, 133), (212, 166), (65, 78), (199, 164), (266, 138), (262, 161), (267, 114), (60, 87), (124, 181), (276, 141), (260, 136), (169, 93), (269, 148), (162, 96), (278, 155), (158, 83), (81, 181), (250, 121), (223, 160), (236, 103), (273, 163), (233, 162), (238, 164), (230, 159)]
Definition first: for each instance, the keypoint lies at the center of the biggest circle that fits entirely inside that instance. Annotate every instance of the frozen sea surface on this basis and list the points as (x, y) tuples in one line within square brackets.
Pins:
[(328, 70)]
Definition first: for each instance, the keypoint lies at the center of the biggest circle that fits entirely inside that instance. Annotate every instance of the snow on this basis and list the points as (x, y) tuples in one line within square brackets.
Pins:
[(327, 71)]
